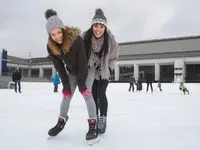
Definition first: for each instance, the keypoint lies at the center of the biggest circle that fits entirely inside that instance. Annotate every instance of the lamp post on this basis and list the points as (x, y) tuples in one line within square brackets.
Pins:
[(29, 64)]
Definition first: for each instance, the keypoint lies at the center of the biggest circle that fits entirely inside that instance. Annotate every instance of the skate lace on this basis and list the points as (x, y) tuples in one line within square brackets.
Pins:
[(91, 129), (92, 126), (60, 124)]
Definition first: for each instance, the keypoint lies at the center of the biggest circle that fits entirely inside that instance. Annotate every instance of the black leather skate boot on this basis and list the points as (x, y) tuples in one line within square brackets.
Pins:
[(93, 130), (58, 127)]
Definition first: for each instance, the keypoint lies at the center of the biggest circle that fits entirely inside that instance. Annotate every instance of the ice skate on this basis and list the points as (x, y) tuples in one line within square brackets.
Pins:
[(58, 127), (92, 135)]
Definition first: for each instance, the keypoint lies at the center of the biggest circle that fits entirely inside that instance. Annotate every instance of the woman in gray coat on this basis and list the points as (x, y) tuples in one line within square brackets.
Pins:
[(102, 53)]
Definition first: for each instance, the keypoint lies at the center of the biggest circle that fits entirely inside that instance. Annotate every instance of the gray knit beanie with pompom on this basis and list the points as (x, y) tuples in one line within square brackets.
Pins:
[(53, 21), (99, 18)]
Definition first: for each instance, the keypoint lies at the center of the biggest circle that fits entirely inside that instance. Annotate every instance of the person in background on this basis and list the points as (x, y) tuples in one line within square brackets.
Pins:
[(139, 84), (131, 82), (56, 82), (159, 86), (16, 78), (183, 88), (149, 80)]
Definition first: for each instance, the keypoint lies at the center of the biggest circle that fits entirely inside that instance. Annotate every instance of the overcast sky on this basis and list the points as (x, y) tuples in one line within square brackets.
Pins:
[(22, 22)]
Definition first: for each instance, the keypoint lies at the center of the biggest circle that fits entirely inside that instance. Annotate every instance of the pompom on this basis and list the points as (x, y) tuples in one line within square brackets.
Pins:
[(99, 11), (50, 12)]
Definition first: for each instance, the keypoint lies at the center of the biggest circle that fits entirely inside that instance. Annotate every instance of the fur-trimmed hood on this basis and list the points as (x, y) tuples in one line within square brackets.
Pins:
[(70, 35)]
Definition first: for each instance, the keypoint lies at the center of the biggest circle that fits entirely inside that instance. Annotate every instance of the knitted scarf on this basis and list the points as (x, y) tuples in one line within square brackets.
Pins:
[(96, 45)]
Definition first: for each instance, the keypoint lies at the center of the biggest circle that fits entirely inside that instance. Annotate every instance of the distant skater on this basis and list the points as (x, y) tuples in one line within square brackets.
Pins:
[(16, 77), (56, 82), (183, 88), (159, 86), (149, 80), (131, 82)]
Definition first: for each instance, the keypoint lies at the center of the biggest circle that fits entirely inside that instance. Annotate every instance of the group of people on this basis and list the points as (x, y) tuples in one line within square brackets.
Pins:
[(149, 81), (82, 60), (138, 83)]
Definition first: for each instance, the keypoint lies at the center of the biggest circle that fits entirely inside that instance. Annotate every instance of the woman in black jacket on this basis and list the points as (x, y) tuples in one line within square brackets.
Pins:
[(67, 51)]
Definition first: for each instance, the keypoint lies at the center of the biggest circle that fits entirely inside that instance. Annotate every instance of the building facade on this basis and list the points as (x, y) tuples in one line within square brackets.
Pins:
[(169, 60), (34, 67)]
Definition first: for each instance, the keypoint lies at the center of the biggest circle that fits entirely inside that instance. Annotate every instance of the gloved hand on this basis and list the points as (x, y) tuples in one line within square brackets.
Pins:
[(67, 93), (86, 93)]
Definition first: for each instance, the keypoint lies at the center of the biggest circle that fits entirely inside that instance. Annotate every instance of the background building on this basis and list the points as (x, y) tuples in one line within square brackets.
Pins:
[(169, 60), (36, 67), (32, 69)]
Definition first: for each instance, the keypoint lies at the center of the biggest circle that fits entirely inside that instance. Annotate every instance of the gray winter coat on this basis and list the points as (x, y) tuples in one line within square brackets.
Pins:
[(110, 59)]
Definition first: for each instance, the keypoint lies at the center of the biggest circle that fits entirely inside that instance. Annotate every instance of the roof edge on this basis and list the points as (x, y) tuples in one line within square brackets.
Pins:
[(161, 40)]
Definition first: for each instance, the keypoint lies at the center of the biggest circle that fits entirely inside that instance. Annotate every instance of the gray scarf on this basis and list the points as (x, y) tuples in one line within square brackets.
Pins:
[(105, 62), (96, 45)]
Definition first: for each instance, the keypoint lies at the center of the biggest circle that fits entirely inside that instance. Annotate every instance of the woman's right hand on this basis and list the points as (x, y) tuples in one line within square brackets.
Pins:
[(67, 93)]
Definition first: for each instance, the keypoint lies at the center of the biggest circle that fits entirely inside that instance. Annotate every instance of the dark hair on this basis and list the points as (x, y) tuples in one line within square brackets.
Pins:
[(88, 40)]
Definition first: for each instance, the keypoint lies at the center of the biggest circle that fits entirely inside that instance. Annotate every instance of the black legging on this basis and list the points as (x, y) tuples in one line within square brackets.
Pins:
[(99, 94), (131, 86), (149, 83)]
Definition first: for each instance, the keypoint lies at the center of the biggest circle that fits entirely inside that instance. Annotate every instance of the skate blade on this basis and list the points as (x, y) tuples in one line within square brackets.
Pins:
[(93, 141), (101, 135), (50, 137)]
